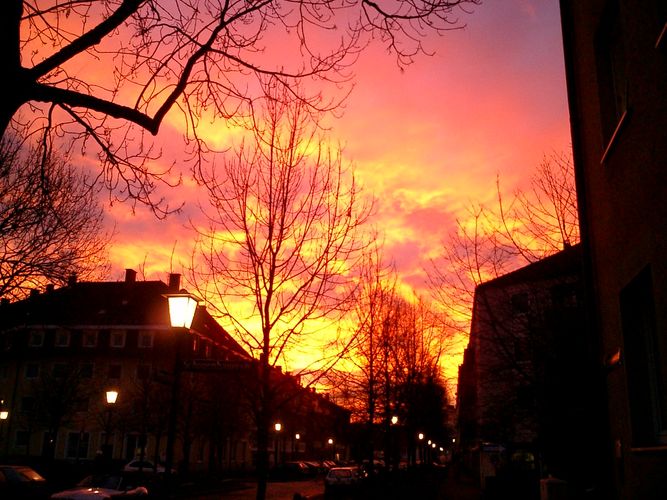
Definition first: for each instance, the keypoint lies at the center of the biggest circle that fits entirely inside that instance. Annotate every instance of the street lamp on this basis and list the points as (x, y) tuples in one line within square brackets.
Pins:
[(420, 436), (182, 308), (111, 396), (297, 436), (278, 427)]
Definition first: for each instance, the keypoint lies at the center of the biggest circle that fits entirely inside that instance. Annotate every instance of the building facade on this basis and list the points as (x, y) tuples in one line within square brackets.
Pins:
[(63, 349), (524, 408), (616, 69)]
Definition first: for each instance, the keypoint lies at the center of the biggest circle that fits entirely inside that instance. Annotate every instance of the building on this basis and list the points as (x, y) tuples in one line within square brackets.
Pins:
[(62, 350), (524, 384), (616, 69)]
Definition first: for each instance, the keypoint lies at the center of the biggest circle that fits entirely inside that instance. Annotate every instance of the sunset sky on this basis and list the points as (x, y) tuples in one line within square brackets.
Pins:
[(426, 141)]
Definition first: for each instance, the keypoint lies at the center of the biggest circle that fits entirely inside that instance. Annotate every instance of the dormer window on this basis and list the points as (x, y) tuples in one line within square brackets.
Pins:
[(145, 340), (117, 339), (89, 338), (62, 338)]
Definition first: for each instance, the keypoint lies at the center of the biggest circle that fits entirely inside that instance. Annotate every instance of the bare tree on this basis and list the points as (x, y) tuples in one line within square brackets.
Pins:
[(490, 242), (395, 356), (284, 219), (51, 226), (201, 59)]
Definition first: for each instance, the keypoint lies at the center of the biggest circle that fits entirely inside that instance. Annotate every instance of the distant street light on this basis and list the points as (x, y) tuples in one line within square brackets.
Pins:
[(394, 420), (333, 449), (421, 436), (4, 415), (182, 308)]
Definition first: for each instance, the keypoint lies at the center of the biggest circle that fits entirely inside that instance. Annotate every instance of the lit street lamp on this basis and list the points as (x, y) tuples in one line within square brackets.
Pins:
[(333, 449), (182, 308), (4, 415), (111, 396), (276, 444)]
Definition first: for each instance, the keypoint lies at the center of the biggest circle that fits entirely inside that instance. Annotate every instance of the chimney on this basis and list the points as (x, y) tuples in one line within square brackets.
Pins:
[(130, 276), (71, 281), (174, 282), (50, 287), (34, 292)]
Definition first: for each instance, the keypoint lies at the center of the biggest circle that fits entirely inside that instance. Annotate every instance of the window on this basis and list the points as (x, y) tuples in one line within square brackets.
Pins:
[(117, 339), (643, 364), (115, 371), (62, 338), (77, 445), (86, 370), (36, 338), (31, 370), (612, 76), (89, 338), (145, 340)]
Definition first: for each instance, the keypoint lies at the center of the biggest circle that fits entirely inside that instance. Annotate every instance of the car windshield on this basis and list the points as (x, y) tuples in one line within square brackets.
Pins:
[(112, 482), (21, 474)]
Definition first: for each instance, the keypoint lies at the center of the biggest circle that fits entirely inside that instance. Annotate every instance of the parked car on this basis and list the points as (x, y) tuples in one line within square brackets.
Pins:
[(343, 479), (137, 465), (289, 471), (21, 481), (104, 486)]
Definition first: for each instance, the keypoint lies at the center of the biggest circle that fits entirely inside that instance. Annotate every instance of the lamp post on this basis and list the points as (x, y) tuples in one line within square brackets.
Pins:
[(333, 449), (182, 307), (111, 396), (420, 436), (276, 445), (295, 447), (4, 415)]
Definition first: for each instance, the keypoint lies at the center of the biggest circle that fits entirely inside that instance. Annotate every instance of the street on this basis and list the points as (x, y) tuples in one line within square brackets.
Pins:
[(276, 491)]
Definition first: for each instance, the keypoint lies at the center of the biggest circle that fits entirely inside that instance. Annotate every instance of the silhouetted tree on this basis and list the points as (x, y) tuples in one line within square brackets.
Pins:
[(94, 70), (51, 226), (283, 217)]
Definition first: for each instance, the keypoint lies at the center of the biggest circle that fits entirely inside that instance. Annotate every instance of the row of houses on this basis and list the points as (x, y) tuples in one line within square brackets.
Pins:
[(563, 388), (191, 392)]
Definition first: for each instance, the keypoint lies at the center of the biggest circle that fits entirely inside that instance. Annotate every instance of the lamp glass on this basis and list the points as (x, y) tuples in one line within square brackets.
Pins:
[(112, 396), (394, 420), (181, 310), (278, 426), (297, 436), (4, 414)]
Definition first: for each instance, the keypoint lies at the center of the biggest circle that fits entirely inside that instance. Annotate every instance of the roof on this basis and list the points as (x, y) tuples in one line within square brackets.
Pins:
[(567, 261), (119, 304)]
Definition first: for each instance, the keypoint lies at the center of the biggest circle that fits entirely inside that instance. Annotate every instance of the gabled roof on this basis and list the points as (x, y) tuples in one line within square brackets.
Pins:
[(567, 261), (107, 305)]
